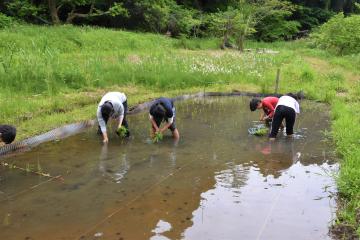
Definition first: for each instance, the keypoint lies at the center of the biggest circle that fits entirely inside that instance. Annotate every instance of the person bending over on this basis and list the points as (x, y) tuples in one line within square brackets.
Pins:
[(163, 110), (7, 134), (268, 105), (287, 108), (112, 105)]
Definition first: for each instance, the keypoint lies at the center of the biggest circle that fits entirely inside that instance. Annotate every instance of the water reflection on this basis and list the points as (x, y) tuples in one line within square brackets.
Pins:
[(161, 227), (234, 177), (114, 168), (273, 158), (216, 183)]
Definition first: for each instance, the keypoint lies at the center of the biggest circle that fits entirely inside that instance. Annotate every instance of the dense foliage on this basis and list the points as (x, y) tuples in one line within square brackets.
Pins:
[(340, 35), (183, 17), (5, 21)]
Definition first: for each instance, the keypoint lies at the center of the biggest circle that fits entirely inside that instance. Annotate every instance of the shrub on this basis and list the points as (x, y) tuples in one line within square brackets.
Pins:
[(310, 18), (276, 27), (340, 35), (182, 21), (5, 21)]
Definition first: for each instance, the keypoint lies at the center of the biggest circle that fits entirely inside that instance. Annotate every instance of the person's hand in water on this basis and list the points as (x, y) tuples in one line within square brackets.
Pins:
[(155, 127), (262, 117), (105, 139), (265, 118)]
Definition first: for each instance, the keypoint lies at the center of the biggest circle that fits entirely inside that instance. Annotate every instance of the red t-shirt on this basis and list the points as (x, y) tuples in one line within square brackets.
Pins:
[(269, 104)]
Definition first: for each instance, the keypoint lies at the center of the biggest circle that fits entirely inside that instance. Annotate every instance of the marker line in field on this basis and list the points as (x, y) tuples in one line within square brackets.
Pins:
[(131, 201)]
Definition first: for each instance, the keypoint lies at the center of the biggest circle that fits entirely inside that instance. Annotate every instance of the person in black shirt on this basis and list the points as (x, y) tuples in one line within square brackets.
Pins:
[(163, 110)]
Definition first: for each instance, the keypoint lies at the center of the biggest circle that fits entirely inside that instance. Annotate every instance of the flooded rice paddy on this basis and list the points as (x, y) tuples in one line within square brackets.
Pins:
[(217, 182)]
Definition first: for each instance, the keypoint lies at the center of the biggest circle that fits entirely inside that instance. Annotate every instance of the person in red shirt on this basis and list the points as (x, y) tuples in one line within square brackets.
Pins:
[(268, 104)]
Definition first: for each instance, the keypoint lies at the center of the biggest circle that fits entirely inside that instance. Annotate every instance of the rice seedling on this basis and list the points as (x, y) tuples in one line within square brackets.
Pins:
[(39, 168), (158, 137), (122, 132), (261, 132), (28, 168), (6, 221)]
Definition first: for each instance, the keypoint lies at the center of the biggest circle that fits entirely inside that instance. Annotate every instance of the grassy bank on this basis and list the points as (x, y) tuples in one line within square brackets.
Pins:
[(43, 70), (50, 76)]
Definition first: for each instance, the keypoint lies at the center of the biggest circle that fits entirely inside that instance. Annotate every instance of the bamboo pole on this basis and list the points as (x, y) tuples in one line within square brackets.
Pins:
[(277, 80)]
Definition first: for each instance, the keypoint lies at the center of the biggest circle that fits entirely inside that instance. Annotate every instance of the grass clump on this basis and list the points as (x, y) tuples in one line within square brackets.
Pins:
[(6, 21), (346, 133)]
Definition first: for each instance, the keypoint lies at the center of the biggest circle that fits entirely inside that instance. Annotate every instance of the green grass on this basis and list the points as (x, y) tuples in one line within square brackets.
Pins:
[(346, 133), (51, 76)]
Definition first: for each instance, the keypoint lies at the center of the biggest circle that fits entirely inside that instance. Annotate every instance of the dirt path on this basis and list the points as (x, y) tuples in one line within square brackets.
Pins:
[(323, 67)]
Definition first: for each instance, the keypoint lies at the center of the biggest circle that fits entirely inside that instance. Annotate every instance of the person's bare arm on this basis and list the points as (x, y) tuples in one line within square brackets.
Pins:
[(262, 116), (120, 121), (121, 116), (102, 125), (153, 123), (166, 126), (271, 110), (1, 141), (168, 123), (266, 117)]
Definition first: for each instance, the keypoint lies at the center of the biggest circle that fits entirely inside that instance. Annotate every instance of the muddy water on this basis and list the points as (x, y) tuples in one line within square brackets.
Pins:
[(216, 183)]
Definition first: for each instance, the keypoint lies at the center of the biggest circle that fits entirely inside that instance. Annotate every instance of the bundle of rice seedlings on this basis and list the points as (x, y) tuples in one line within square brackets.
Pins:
[(158, 137)]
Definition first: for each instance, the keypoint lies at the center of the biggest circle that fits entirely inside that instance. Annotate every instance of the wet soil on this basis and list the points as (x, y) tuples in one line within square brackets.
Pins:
[(217, 182)]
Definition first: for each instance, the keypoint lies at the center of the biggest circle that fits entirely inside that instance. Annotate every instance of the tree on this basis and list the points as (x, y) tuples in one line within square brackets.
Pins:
[(77, 5), (240, 22), (71, 8), (276, 23), (26, 10), (224, 24), (182, 21), (150, 15)]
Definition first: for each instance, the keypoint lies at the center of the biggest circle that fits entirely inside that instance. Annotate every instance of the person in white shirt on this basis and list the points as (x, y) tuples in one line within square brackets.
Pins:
[(286, 108), (112, 105)]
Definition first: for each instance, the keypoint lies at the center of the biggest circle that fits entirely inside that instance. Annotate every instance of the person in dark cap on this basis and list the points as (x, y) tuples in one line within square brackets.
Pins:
[(112, 105), (163, 110), (7, 134)]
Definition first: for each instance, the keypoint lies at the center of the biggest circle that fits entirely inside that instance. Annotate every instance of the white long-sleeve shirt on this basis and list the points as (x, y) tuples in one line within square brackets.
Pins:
[(116, 99), (289, 102)]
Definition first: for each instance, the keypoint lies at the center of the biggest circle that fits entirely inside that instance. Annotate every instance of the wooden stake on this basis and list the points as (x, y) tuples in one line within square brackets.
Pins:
[(277, 80)]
